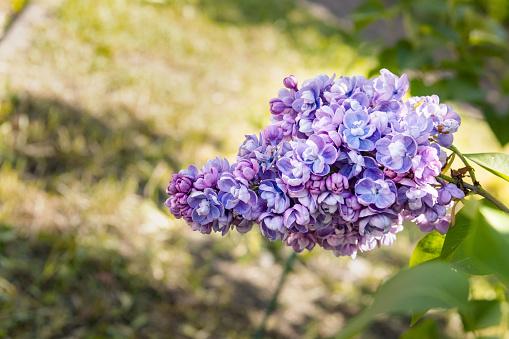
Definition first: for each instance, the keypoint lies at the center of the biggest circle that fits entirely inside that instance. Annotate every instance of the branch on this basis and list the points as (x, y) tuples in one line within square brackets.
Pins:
[(471, 171), (273, 302), (477, 189)]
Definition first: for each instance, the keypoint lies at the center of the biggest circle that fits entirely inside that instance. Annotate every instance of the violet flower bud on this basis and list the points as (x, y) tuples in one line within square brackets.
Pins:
[(276, 106), (290, 82), (336, 183), (447, 192)]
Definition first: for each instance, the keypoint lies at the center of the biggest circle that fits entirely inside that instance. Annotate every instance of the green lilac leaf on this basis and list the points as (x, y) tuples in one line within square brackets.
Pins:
[(426, 330), (417, 289), (496, 163), (479, 314), (491, 246), (428, 248), (457, 248)]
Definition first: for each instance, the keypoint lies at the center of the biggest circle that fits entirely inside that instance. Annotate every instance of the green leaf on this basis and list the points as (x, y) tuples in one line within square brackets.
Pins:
[(479, 314), (496, 163), (426, 330), (416, 316), (496, 219), (429, 248), (491, 245), (457, 248), (419, 288)]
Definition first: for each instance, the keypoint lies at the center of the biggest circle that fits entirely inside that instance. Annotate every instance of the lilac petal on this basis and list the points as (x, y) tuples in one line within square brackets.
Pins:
[(407, 163), (364, 186), (445, 140), (352, 140), (442, 226), (225, 184), (275, 223), (289, 218), (284, 165), (280, 205), (373, 173), (319, 142), (318, 167), (302, 216), (370, 162), (366, 145), (194, 199), (382, 146), (410, 145), (361, 98), (329, 154), (444, 197), (381, 222), (385, 200)]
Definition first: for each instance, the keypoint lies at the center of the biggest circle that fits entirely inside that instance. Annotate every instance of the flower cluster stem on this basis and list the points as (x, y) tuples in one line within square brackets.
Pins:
[(273, 302), (477, 189), (465, 161)]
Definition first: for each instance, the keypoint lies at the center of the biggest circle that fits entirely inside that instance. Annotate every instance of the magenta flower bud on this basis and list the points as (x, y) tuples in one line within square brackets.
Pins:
[(336, 183), (273, 135), (316, 184), (300, 241), (276, 106), (183, 181), (246, 169), (290, 82)]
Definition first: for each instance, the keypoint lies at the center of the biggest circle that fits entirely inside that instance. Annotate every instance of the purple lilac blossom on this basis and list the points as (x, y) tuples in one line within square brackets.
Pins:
[(426, 165), (273, 192), (377, 192), (340, 166), (246, 169), (271, 225), (308, 99), (352, 163), (206, 207), (234, 193), (300, 241), (336, 183), (447, 192), (390, 86), (182, 181), (395, 152), (316, 154), (210, 172), (294, 173), (297, 218), (246, 150), (357, 132)]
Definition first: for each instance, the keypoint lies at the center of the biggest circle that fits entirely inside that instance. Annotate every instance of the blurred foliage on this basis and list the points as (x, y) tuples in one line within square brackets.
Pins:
[(456, 49), (9, 10)]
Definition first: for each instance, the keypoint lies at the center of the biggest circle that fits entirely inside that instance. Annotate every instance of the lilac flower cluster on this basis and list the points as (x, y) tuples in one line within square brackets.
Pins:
[(342, 164)]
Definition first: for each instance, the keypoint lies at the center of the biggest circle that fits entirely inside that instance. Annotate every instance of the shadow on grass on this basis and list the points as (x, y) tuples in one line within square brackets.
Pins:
[(53, 138), (53, 287)]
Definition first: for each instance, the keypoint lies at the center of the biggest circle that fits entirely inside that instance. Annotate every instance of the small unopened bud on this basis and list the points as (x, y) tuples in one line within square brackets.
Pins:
[(291, 82)]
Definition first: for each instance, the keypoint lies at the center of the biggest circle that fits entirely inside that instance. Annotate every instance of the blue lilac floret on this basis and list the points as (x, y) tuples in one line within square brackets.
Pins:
[(342, 164), (395, 152), (357, 132)]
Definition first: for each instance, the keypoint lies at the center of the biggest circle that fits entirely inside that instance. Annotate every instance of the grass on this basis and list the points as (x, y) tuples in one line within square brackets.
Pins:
[(111, 98)]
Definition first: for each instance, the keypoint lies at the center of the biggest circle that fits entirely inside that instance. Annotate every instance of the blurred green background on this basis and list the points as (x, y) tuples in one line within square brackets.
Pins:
[(102, 100)]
